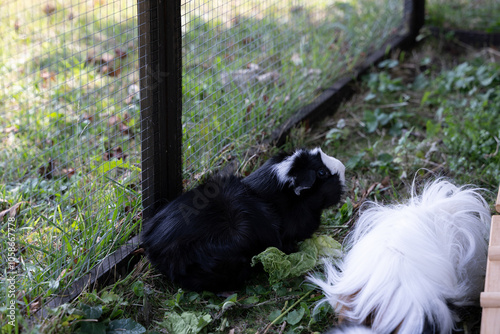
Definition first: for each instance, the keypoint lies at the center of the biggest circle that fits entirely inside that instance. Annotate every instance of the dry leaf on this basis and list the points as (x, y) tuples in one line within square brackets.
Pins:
[(386, 181), (61, 274), (268, 77), (49, 9), (109, 70), (47, 77), (87, 117), (46, 171), (69, 172), (297, 59), (139, 251), (124, 129), (10, 129), (12, 211), (247, 40), (36, 305), (126, 117), (112, 120), (90, 57), (115, 73), (107, 58), (116, 153), (119, 53)]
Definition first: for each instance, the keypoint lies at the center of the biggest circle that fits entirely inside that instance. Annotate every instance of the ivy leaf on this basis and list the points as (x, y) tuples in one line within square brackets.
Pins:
[(138, 288), (91, 312), (92, 328), (371, 121), (125, 326), (251, 300), (273, 315), (295, 316), (355, 161)]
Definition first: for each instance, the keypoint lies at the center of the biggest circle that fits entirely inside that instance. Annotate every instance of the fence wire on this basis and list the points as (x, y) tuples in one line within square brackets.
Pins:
[(69, 141), (248, 65)]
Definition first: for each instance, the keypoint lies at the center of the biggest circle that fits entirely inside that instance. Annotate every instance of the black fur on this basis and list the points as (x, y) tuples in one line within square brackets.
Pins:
[(205, 239)]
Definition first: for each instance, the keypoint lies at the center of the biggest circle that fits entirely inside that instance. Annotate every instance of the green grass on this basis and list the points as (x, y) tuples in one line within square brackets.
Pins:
[(69, 142)]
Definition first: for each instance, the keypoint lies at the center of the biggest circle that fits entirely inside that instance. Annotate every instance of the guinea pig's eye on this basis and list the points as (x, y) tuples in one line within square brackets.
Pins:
[(322, 173)]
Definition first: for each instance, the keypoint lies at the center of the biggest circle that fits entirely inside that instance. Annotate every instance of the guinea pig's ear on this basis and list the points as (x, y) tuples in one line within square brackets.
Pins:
[(304, 180)]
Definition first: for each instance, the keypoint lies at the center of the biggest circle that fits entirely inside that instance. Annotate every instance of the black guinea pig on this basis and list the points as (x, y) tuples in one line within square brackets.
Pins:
[(205, 238)]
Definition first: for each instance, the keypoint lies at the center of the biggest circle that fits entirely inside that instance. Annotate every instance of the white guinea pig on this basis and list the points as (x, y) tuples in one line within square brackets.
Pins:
[(409, 266)]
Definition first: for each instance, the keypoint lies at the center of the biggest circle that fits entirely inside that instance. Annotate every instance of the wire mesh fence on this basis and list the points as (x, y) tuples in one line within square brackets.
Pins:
[(248, 65), (69, 141)]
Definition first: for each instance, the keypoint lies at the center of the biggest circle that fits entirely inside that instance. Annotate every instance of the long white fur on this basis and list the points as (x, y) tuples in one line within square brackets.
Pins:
[(351, 329), (405, 262)]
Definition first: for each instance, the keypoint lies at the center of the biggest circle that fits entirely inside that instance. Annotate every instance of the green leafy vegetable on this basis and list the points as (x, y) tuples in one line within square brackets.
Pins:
[(186, 322), (281, 266)]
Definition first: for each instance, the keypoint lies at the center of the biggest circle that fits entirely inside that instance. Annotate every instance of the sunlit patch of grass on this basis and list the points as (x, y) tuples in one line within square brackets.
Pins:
[(69, 139)]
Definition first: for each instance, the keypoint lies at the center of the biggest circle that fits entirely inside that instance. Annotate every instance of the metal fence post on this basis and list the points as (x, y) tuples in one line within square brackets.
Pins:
[(161, 102), (415, 16)]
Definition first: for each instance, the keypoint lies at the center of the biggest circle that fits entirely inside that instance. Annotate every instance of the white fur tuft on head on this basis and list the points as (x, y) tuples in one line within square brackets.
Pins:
[(406, 262), (283, 168), (334, 165)]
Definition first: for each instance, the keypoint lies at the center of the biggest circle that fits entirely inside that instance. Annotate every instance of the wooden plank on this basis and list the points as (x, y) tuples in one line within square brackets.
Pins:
[(490, 322), (490, 299), (494, 253), (492, 280), (497, 205)]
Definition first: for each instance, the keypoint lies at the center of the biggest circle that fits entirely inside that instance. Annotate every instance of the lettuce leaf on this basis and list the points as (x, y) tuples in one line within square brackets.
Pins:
[(281, 266)]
